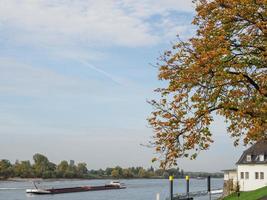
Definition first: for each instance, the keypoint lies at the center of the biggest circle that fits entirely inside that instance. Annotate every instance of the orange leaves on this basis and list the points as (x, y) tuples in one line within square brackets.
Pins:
[(167, 115), (222, 69)]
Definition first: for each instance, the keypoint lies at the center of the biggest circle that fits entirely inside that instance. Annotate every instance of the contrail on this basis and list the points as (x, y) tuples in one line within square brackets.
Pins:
[(110, 76)]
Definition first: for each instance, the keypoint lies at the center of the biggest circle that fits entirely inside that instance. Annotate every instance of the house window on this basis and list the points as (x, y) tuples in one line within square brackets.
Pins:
[(249, 158), (242, 175), (261, 157), (246, 175), (256, 175), (262, 175)]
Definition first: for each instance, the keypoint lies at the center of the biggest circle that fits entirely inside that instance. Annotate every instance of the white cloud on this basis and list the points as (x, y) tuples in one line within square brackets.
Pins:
[(102, 22), (70, 22), (148, 8)]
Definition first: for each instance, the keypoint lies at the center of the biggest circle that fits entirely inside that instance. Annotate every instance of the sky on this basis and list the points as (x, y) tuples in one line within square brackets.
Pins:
[(75, 77)]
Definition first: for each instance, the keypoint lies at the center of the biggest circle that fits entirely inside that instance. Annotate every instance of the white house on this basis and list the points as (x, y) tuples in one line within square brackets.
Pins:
[(252, 167), (251, 172)]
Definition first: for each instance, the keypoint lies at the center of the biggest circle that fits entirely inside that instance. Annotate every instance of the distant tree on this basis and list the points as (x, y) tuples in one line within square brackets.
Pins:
[(101, 172), (119, 169), (136, 170), (40, 159), (62, 168), (142, 173), (41, 164), (51, 171), (172, 171), (5, 168), (52, 166), (159, 172), (126, 173), (108, 171), (43, 168), (82, 169), (23, 169), (115, 173), (222, 70), (71, 172), (166, 174)]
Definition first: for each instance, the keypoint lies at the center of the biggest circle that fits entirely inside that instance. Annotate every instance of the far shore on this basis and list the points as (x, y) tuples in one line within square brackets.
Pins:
[(18, 179)]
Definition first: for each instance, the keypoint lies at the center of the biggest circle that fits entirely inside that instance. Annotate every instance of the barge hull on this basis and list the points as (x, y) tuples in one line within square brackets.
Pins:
[(74, 189)]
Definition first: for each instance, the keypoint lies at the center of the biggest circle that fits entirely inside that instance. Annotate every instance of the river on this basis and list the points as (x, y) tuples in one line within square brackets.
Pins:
[(137, 189)]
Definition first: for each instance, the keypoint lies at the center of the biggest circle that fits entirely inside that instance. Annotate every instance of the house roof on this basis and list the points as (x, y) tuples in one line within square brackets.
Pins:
[(259, 148)]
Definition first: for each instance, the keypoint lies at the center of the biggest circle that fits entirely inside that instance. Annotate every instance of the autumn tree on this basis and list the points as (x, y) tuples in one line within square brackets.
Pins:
[(220, 70)]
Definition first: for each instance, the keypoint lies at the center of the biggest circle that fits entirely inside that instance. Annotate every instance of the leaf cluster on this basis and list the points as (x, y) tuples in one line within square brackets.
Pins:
[(222, 70)]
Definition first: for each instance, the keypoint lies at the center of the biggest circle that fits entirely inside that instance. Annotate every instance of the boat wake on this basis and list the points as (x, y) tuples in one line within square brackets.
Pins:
[(12, 188)]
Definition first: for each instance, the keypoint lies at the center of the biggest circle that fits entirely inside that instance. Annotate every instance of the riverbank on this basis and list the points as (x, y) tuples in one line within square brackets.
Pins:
[(252, 195), (19, 179)]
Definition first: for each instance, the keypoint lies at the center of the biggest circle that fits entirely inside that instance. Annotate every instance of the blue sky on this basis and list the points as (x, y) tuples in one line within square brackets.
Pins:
[(75, 77)]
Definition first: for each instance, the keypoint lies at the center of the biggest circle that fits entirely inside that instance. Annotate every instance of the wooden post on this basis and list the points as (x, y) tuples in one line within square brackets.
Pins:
[(209, 190), (187, 186), (171, 187)]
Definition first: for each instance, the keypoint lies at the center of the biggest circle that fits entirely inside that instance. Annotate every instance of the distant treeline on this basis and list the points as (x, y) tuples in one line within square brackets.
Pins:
[(43, 168)]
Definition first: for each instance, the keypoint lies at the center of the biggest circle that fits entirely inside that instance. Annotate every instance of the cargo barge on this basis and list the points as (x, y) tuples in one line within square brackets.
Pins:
[(114, 185)]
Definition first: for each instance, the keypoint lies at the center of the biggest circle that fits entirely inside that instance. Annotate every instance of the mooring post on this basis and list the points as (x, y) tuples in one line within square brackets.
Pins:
[(209, 190), (171, 187), (158, 196), (187, 186)]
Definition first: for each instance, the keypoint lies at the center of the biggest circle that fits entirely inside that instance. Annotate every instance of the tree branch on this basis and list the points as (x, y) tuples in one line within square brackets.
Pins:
[(250, 80)]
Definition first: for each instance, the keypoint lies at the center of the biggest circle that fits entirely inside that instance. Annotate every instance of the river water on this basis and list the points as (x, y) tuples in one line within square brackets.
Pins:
[(137, 189)]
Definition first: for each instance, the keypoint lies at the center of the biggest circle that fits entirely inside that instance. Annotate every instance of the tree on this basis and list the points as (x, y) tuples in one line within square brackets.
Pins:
[(159, 172), (5, 168), (42, 166), (115, 173), (221, 70), (142, 173), (63, 166), (40, 159), (82, 169), (126, 173), (108, 171), (23, 169), (71, 172)]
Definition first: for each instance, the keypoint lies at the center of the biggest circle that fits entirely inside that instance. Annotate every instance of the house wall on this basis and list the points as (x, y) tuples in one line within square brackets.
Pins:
[(230, 182), (232, 175), (251, 183)]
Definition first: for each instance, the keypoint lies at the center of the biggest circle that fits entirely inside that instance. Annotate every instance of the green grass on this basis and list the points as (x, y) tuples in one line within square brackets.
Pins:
[(252, 195)]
